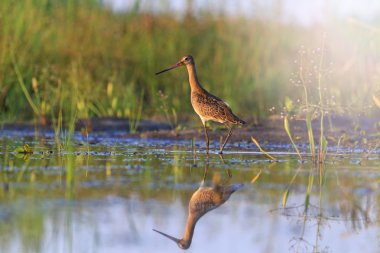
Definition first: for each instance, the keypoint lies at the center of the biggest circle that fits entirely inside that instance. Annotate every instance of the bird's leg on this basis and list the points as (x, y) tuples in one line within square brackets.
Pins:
[(205, 173), (227, 137), (228, 171), (206, 136)]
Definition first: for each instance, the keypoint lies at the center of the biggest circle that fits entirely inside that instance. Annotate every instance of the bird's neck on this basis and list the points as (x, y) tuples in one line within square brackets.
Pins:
[(193, 78), (189, 229)]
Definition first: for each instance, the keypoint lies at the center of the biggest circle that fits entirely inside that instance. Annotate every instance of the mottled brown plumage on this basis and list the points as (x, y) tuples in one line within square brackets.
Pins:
[(209, 107), (202, 201), (206, 105)]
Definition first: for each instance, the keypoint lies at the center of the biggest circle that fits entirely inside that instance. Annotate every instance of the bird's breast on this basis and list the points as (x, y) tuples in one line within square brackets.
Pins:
[(206, 107), (196, 102)]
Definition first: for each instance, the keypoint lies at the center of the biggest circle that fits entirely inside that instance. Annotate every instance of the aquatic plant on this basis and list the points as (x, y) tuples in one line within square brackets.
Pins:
[(135, 113), (262, 150), (169, 111), (57, 120), (74, 41), (27, 95), (285, 195), (254, 179), (311, 108), (288, 132)]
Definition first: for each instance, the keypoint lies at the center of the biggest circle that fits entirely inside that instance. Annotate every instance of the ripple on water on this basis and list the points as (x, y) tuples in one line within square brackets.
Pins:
[(121, 188)]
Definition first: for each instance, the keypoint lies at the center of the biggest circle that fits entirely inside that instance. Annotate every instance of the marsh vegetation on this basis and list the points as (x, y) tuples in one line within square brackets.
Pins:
[(78, 172)]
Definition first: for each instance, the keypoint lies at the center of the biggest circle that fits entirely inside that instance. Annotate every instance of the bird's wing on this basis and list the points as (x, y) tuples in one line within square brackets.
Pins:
[(214, 107)]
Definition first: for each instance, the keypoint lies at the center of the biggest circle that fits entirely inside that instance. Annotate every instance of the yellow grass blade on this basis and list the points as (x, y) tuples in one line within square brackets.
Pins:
[(310, 135), (376, 100), (256, 177), (308, 191), (287, 129), (23, 86), (285, 198), (262, 150), (286, 193)]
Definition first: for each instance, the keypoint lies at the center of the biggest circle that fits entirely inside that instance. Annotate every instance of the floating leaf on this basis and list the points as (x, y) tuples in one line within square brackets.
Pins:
[(19, 150), (27, 149), (23, 150)]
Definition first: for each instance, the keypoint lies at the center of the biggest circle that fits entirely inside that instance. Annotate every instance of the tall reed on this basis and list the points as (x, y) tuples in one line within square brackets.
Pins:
[(238, 57)]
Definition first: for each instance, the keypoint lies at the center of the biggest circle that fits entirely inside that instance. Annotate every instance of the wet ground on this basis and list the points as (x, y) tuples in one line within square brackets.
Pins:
[(106, 194)]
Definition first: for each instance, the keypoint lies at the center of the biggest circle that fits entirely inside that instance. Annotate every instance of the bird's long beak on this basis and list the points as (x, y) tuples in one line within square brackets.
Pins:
[(178, 64), (176, 240)]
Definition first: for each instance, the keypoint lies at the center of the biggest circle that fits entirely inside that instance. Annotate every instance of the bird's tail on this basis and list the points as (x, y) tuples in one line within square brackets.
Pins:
[(235, 187), (228, 190)]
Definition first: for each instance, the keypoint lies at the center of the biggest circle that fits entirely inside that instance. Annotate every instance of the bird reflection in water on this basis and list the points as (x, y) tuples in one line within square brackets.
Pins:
[(202, 201)]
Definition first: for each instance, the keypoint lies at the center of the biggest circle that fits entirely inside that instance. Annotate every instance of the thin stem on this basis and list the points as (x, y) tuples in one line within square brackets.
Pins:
[(321, 135)]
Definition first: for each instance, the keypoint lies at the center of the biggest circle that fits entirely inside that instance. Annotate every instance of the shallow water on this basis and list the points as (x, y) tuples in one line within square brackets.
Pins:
[(108, 196)]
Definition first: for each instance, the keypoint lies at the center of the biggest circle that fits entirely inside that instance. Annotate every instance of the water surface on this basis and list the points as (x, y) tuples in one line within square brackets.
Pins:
[(108, 193)]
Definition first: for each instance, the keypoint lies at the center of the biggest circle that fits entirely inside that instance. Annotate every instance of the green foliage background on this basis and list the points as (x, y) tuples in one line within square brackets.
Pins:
[(96, 62)]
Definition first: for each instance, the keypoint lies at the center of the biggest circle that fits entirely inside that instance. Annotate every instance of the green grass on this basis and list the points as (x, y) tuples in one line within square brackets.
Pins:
[(74, 49), (288, 132), (315, 104)]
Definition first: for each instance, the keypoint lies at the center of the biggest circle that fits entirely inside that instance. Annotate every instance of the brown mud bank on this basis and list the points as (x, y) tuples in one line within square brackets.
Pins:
[(347, 131)]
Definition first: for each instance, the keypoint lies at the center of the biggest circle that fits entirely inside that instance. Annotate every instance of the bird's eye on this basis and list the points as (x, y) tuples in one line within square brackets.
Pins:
[(187, 58)]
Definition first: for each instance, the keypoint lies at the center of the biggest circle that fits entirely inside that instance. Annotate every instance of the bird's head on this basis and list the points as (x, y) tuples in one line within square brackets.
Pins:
[(186, 60), (183, 244)]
